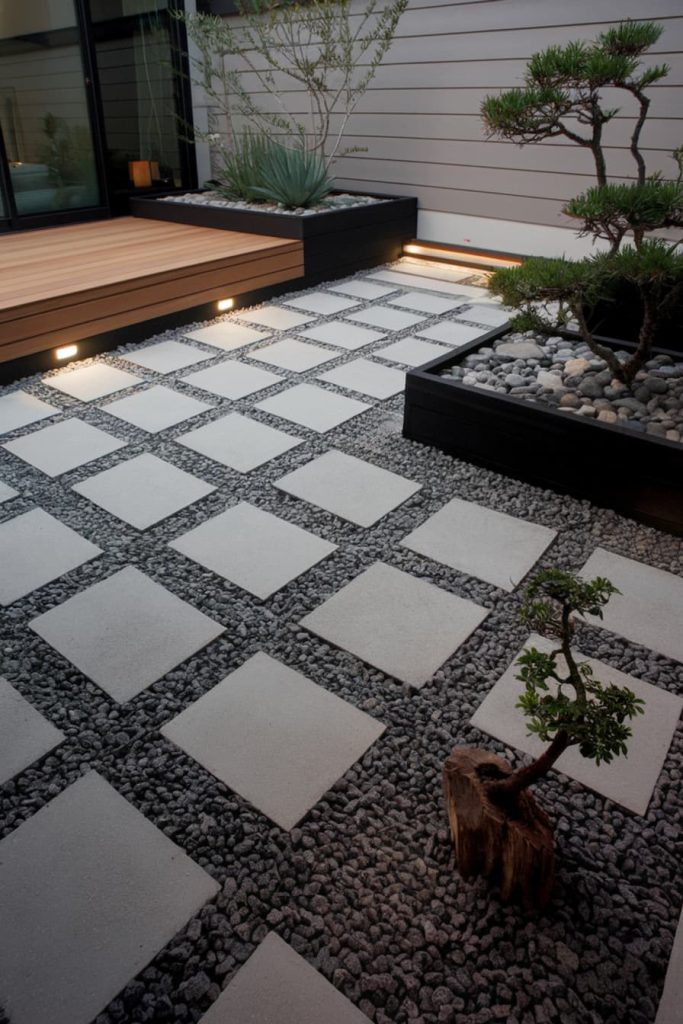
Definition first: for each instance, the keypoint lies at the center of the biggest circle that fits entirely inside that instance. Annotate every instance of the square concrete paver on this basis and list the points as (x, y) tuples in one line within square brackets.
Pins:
[(422, 303), (227, 335), (348, 487), (491, 545), (367, 378), (410, 352), (24, 734), (415, 280), (277, 985), (167, 356), (253, 549), (63, 446), (362, 289), (342, 334), (90, 892), (6, 492), (156, 408), (628, 781), (449, 332), (277, 318), (232, 379), (324, 303), (669, 1009), (291, 354), (238, 442), (88, 383), (386, 318), (273, 736), (649, 609), (35, 548), (143, 490), (489, 314), (126, 632), (402, 625), (19, 409), (313, 407)]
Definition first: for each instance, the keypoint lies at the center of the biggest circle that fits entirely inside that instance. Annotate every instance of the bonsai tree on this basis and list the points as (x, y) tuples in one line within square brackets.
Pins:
[(497, 826), (563, 97)]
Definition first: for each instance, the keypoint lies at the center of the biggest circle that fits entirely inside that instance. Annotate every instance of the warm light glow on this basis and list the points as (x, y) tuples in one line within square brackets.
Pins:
[(224, 304), (456, 255), (67, 352), (140, 173)]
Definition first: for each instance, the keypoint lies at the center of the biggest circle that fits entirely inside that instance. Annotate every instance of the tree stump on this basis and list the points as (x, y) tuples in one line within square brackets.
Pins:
[(512, 846)]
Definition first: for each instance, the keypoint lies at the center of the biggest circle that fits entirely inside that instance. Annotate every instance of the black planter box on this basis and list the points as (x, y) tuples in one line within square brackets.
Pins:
[(336, 243), (639, 475)]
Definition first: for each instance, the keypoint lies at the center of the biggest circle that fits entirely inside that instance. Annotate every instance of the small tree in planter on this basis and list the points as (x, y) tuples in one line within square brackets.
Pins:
[(497, 827), (563, 97)]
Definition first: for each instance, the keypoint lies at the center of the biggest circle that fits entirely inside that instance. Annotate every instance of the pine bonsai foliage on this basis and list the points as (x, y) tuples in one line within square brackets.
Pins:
[(565, 704), (563, 96)]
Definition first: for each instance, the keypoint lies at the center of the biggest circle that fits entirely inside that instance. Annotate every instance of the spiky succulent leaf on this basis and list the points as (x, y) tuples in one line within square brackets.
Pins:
[(294, 178)]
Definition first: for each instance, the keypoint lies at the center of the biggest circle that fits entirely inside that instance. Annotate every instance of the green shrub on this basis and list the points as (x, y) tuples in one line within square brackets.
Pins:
[(242, 171)]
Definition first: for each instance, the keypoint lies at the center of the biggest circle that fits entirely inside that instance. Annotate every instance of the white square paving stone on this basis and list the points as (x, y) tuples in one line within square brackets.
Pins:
[(88, 383), (156, 408), (126, 632), (362, 289), (227, 335), (669, 1009), (419, 267), (90, 892), (367, 378), (167, 356), (238, 442), (19, 409), (277, 318), (143, 490), (451, 333), (253, 549), (232, 379), (273, 736), (410, 352), (628, 781), (402, 625), (413, 280), (426, 303), (649, 609), (63, 446), (386, 318), (291, 354), (6, 492), (313, 407), (35, 548), (491, 315), (25, 735), (277, 985), (321, 302), (348, 487), (342, 334), (482, 542)]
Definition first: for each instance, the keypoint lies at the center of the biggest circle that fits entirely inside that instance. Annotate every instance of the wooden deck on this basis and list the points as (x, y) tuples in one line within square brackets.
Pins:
[(65, 284)]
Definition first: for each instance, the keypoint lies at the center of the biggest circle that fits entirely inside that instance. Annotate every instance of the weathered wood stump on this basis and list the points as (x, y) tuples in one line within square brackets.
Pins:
[(512, 845)]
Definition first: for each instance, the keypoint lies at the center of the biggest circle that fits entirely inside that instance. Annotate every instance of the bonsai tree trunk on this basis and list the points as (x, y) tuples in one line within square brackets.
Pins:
[(509, 840)]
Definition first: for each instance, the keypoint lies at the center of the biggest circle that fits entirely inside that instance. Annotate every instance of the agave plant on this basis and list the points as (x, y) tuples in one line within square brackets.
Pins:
[(242, 171), (294, 178)]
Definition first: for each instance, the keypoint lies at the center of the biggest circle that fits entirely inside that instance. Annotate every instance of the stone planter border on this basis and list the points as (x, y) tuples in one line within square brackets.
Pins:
[(637, 475)]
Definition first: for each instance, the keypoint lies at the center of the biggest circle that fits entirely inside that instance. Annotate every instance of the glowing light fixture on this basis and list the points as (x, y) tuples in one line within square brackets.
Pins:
[(224, 304), (66, 352), (459, 255)]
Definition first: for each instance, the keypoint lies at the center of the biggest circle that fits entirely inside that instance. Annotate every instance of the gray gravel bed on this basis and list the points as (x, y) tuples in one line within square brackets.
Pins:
[(365, 887)]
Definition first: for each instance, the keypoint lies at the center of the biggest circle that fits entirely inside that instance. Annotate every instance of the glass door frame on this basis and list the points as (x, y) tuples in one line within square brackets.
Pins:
[(11, 220)]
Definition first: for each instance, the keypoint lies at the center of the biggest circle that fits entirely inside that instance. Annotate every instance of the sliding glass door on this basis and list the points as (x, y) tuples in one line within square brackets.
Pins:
[(45, 111)]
